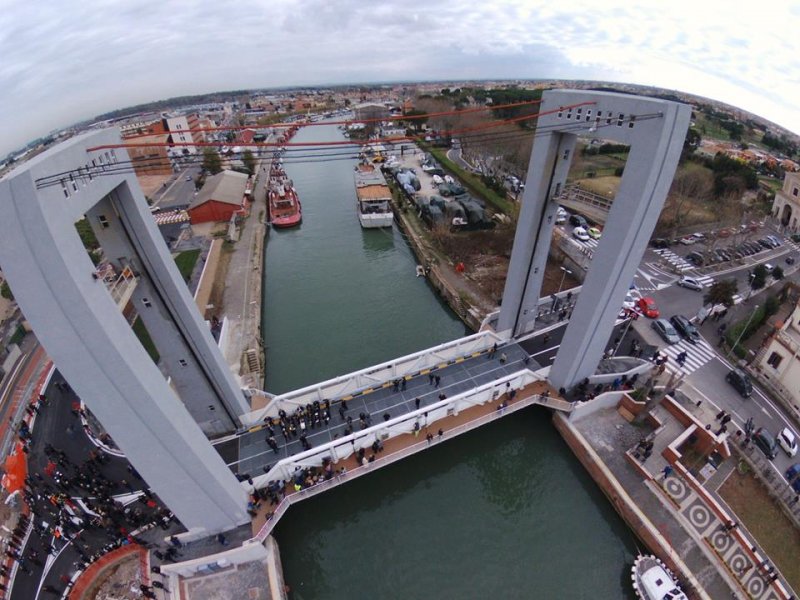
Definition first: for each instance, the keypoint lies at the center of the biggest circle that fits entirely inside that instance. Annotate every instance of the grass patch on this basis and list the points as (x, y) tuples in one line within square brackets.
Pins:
[(186, 261), (470, 181), (604, 186), (144, 337), (772, 529)]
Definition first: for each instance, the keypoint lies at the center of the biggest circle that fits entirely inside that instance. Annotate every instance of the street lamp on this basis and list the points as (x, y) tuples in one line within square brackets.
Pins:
[(741, 333), (564, 274)]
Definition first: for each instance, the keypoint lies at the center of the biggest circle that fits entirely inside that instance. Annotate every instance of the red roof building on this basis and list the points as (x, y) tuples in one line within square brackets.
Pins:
[(223, 195)]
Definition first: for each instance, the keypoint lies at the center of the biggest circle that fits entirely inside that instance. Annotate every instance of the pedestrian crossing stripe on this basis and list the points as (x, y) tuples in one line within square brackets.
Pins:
[(737, 299), (697, 355), (678, 261)]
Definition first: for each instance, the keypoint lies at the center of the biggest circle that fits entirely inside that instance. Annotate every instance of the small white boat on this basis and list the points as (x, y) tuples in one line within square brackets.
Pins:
[(652, 580)]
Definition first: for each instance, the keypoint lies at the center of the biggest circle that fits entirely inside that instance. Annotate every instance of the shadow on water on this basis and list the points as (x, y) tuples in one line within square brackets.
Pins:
[(377, 241), (496, 513)]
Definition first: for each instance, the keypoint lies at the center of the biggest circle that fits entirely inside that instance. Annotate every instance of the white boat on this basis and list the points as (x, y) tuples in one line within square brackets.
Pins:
[(373, 197), (652, 580)]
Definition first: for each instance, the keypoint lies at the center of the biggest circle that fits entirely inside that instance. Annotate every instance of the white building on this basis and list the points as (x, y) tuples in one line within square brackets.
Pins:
[(786, 205), (180, 132), (778, 361)]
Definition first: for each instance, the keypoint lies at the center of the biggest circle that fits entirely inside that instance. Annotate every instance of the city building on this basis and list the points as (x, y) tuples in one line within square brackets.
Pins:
[(183, 133), (222, 195), (786, 205), (150, 160), (778, 362)]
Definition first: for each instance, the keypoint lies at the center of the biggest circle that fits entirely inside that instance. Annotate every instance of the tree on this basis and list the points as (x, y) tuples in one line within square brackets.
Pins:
[(777, 273), (249, 161), (721, 292), (5, 291), (212, 163), (759, 277)]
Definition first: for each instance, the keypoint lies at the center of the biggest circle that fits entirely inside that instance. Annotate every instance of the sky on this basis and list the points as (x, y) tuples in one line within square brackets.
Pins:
[(64, 61)]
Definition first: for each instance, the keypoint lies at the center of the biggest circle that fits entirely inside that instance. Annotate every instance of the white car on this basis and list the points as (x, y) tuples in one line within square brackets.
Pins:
[(437, 180), (788, 441), (581, 234), (561, 215), (631, 298)]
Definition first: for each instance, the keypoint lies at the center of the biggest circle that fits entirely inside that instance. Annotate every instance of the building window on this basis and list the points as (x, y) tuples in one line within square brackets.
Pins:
[(103, 221), (183, 363), (774, 360), (146, 302)]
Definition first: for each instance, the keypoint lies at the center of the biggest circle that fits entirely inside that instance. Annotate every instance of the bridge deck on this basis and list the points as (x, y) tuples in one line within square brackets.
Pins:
[(254, 453), (404, 445)]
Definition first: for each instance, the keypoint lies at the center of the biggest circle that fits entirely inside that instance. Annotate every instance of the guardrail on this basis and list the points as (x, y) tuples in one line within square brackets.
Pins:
[(347, 387), (388, 459)]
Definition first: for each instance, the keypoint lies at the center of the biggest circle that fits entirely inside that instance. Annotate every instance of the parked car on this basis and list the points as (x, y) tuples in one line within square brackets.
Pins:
[(740, 382), (790, 260), (684, 327), (561, 215), (696, 259), (667, 332), (648, 307), (765, 243), (690, 283), (578, 221), (580, 233), (766, 443), (788, 441), (660, 243), (775, 240), (594, 233), (688, 240)]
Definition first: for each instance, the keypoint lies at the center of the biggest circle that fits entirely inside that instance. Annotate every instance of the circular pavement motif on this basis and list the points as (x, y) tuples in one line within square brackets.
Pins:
[(722, 541), (699, 516), (739, 562), (755, 586), (675, 487)]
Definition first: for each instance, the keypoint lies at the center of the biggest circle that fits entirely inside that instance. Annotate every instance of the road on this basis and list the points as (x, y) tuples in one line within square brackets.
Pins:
[(179, 190), (48, 557)]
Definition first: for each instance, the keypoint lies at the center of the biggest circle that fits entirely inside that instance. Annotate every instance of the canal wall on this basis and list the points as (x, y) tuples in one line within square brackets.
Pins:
[(449, 285), (625, 506)]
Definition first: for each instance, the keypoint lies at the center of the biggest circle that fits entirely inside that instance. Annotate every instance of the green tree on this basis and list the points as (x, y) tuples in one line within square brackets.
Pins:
[(249, 161), (777, 273), (759, 277), (212, 163), (721, 292), (771, 306), (5, 291)]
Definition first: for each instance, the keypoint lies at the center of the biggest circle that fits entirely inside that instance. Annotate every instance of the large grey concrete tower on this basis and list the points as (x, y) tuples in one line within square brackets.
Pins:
[(80, 323), (655, 130)]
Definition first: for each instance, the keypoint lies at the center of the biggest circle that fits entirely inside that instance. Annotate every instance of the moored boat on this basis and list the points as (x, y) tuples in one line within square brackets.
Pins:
[(652, 580), (283, 202), (373, 197)]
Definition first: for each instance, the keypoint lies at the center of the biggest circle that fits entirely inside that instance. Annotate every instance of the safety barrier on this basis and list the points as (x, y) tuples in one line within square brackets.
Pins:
[(368, 380)]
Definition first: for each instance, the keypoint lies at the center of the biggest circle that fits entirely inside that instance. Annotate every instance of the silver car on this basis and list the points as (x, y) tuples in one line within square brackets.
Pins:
[(690, 284), (667, 332)]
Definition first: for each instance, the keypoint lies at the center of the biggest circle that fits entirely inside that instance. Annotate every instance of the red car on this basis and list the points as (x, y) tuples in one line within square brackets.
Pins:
[(648, 307)]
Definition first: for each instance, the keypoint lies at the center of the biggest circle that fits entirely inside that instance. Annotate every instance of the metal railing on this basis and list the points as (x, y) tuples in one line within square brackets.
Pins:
[(366, 380)]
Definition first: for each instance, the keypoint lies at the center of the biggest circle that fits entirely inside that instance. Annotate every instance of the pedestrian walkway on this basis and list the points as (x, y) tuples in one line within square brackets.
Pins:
[(697, 355), (256, 456), (705, 281)]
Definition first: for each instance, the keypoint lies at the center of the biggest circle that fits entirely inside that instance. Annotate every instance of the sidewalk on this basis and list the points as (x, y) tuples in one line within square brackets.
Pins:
[(241, 300)]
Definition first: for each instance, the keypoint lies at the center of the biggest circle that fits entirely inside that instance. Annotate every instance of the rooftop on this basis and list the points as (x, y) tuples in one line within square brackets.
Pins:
[(228, 187)]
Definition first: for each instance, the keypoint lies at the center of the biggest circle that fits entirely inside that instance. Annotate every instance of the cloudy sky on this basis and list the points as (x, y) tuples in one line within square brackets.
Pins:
[(66, 60)]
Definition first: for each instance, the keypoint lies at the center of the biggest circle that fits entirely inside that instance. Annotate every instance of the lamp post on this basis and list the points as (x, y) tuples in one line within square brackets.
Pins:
[(741, 333), (563, 275)]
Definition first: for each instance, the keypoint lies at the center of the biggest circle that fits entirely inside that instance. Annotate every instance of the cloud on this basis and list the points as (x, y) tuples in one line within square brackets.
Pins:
[(65, 61)]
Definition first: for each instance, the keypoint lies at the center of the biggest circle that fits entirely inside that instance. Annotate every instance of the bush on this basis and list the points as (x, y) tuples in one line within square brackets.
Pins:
[(5, 291), (777, 273)]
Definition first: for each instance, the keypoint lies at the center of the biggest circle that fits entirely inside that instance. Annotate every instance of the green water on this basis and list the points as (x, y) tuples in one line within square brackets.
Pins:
[(503, 512)]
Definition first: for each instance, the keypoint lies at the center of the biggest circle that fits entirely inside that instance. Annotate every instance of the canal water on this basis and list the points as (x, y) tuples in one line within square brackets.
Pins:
[(503, 512)]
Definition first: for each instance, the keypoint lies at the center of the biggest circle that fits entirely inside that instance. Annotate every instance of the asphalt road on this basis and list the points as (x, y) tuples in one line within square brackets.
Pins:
[(179, 191), (57, 425)]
